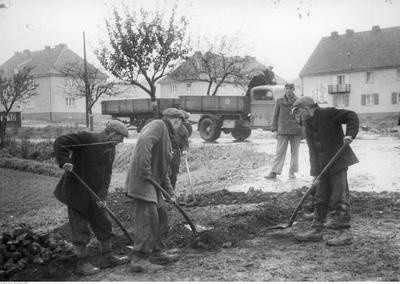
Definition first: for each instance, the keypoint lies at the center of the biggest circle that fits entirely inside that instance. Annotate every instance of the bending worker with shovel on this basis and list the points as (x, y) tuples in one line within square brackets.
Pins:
[(324, 135), (91, 160)]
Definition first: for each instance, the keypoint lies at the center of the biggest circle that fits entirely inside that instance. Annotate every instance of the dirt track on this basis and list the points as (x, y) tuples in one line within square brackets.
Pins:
[(239, 248)]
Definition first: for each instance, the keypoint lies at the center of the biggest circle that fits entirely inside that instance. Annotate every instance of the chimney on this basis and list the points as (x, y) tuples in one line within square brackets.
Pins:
[(376, 28), (334, 34), (349, 32), (47, 48), (27, 52)]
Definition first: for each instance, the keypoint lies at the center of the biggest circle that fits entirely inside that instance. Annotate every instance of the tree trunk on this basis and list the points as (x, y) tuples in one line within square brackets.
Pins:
[(3, 126), (90, 118)]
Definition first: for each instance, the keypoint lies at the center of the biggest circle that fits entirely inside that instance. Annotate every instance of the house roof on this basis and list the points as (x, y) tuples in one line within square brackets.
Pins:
[(47, 61), (252, 64), (352, 52)]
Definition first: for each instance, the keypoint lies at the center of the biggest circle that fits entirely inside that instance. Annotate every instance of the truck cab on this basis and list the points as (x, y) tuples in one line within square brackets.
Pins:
[(262, 102)]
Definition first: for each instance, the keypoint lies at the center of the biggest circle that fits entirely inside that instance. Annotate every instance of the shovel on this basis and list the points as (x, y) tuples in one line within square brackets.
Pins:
[(195, 230), (307, 193), (110, 213)]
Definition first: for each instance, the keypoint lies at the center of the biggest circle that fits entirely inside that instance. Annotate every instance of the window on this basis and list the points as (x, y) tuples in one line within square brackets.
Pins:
[(69, 83), (189, 87), (340, 80), (398, 73), (370, 77), (173, 88), (341, 100), (370, 99), (396, 98), (70, 102)]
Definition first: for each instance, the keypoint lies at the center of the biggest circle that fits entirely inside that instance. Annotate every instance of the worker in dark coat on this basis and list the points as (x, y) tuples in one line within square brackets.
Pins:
[(180, 146), (90, 155), (151, 159), (325, 136)]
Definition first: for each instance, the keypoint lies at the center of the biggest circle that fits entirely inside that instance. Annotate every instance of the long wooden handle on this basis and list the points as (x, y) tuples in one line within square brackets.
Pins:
[(112, 215), (315, 182), (190, 178), (168, 196)]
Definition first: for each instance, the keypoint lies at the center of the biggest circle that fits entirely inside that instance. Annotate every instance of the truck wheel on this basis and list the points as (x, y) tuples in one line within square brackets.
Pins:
[(209, 130), (240, 134)]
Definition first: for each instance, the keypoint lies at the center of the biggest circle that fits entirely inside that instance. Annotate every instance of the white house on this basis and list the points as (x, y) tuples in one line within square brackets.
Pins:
[(358, 71)]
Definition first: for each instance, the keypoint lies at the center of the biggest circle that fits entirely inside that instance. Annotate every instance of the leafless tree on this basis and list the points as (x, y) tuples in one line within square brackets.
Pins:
[(19, 88)]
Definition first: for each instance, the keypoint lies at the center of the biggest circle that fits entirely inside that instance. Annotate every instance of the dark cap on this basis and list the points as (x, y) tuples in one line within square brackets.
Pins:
[(173, 113), (303, 101), (290, 86), (118, 127)]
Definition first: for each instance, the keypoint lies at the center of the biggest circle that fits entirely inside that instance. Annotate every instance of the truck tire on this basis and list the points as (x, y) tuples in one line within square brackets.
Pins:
[(209, 129), (241, 134)]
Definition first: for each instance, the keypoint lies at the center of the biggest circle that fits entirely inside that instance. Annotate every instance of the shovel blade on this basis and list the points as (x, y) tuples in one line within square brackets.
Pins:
[(278, 227), (199, 228)]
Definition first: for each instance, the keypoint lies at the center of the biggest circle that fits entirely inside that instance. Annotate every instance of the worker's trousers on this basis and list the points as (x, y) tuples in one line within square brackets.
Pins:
[(281, 148), (151, 222), (96, 218), (332, 195)]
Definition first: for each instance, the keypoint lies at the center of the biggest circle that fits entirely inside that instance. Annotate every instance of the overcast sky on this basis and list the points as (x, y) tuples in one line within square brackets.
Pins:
[(270, 30)]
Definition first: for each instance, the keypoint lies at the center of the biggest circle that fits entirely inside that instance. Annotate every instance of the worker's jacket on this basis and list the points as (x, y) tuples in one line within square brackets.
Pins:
[(92, 163), (324, 134), (180, 139), (151, 158), (283, 122)]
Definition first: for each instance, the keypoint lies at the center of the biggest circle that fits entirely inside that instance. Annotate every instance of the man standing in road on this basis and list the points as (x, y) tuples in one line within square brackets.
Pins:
[(288, 130), (151, 159), (92, 159), (325, 136)]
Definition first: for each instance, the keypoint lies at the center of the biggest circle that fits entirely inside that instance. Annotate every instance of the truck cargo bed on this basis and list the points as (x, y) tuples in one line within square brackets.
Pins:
[(204, 104), (134, 106)]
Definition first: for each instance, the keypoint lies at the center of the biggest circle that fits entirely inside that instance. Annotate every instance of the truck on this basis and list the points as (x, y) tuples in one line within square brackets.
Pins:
[(236, 115)]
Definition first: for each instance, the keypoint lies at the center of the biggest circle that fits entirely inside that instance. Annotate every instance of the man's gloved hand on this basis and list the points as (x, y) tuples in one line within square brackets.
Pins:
[(68, 167), (347, 139), (173, 199), (101, 204)]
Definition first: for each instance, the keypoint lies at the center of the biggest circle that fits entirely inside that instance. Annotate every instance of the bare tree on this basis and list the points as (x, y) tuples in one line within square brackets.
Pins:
[(143, 47), (217, 66), (98, 86), (19, 88)]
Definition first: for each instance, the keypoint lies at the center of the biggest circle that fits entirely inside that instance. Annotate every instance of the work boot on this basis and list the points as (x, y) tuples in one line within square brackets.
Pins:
[(334, 223), (308, 216), (110, 260), (140, 263), (344, 238), (163, 258), (271, 175), (84, 267), (292, 176), (314, 235)]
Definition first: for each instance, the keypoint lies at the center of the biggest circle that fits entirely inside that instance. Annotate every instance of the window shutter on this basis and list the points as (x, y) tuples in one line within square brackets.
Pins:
[(346, 100), (334, 101), (376, 99), (363, 100), (394, 98)]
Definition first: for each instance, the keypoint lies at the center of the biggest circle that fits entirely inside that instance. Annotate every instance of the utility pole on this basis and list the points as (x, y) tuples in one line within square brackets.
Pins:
[(86, 81)]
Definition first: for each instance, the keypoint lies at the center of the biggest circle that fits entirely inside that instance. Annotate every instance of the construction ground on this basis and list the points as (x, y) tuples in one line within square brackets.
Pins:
[(239, 204)]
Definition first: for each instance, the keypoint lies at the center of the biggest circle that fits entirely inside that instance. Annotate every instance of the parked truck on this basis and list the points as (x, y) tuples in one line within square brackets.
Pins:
[(237, 115)]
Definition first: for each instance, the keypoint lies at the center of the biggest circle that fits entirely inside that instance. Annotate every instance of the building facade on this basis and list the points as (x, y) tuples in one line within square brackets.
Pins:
[(357, 71), (55, 100)]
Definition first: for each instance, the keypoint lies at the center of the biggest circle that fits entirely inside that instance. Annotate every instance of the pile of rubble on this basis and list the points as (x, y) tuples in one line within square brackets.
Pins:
[(23, 247)]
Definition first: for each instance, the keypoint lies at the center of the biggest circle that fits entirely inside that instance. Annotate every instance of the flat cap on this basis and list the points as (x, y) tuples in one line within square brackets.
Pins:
[(173, 113), (303, 101), (291, 86), (117, 126)]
